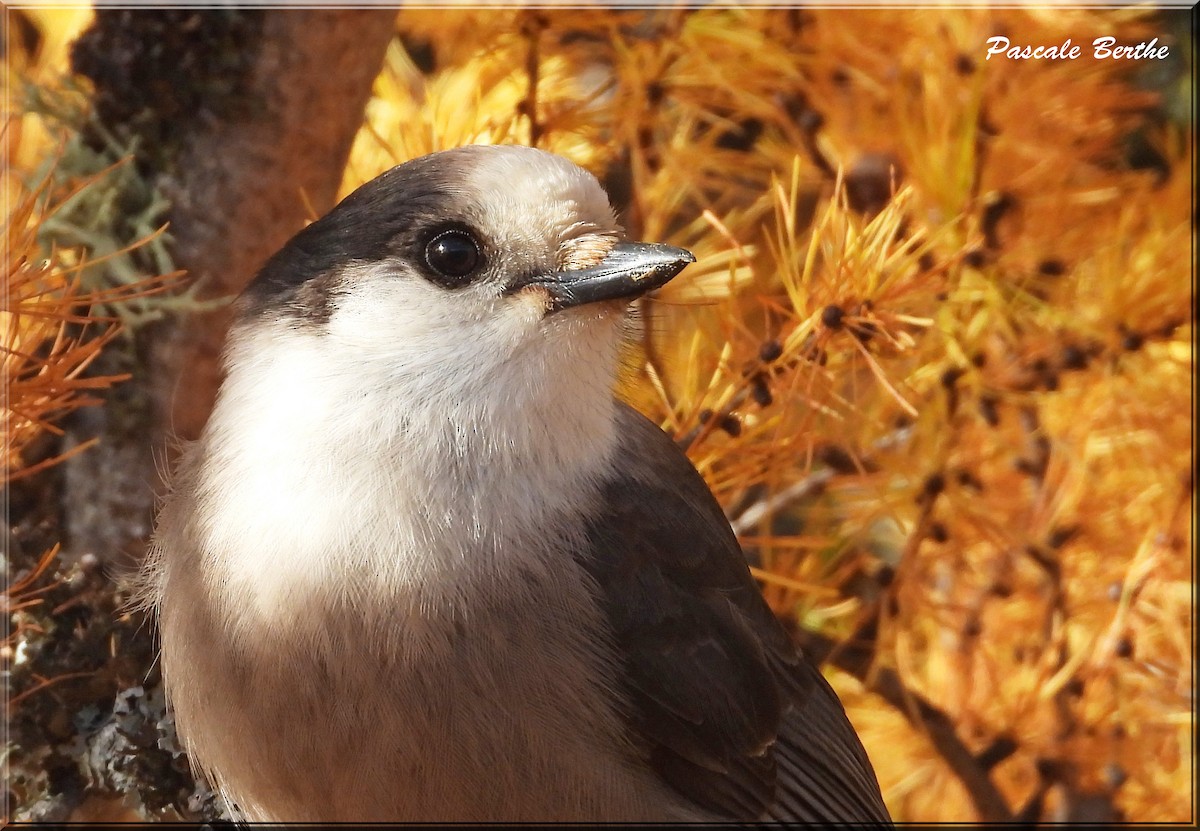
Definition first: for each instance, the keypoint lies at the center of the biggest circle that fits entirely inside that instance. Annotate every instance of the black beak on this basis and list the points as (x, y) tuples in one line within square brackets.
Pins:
[(629, 270)]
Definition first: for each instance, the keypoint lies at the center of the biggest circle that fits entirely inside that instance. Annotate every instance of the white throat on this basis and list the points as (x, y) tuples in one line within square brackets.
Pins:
[(334, 475)]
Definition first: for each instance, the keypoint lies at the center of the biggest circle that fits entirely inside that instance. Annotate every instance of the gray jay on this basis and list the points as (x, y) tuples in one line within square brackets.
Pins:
[(421, 564)]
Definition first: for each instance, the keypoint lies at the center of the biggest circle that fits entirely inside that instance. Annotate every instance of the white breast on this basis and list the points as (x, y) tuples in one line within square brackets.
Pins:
[(315, 473)]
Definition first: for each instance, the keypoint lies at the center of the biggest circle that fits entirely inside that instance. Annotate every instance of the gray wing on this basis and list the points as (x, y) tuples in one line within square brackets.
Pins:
[(728, 712)]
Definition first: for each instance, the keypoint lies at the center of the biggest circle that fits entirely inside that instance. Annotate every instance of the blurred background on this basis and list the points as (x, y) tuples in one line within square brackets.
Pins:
[(935, 357)]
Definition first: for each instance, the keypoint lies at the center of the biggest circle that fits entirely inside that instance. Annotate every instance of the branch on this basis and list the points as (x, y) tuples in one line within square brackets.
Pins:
[(744, 522)]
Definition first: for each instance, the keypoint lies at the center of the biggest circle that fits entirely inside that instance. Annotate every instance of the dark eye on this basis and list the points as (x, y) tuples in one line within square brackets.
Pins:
[(453, 254)]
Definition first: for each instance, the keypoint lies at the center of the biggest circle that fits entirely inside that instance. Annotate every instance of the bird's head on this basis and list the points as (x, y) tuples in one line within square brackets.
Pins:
[(478, 263)]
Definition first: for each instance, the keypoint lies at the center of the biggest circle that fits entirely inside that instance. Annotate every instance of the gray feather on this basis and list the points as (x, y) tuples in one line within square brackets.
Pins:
[(726, 709)]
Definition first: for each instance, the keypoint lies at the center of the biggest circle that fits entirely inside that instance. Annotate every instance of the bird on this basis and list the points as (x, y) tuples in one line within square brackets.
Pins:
[(422, 564)]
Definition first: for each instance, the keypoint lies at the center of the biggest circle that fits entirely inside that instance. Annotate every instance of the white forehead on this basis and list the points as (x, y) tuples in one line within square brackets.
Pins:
[(529, 193)]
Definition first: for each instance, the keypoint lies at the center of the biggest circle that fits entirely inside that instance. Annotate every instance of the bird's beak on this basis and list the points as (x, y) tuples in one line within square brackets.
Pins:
[(629, 270)]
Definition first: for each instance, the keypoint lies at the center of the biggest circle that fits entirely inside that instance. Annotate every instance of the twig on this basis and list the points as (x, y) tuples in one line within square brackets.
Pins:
[(757, 511), (779, 500), (19, 586), (12, 702), (701, 430), (532, 31)]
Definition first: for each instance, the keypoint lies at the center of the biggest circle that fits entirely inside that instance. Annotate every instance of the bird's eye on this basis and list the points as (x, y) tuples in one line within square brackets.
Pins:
[(453, 254)]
